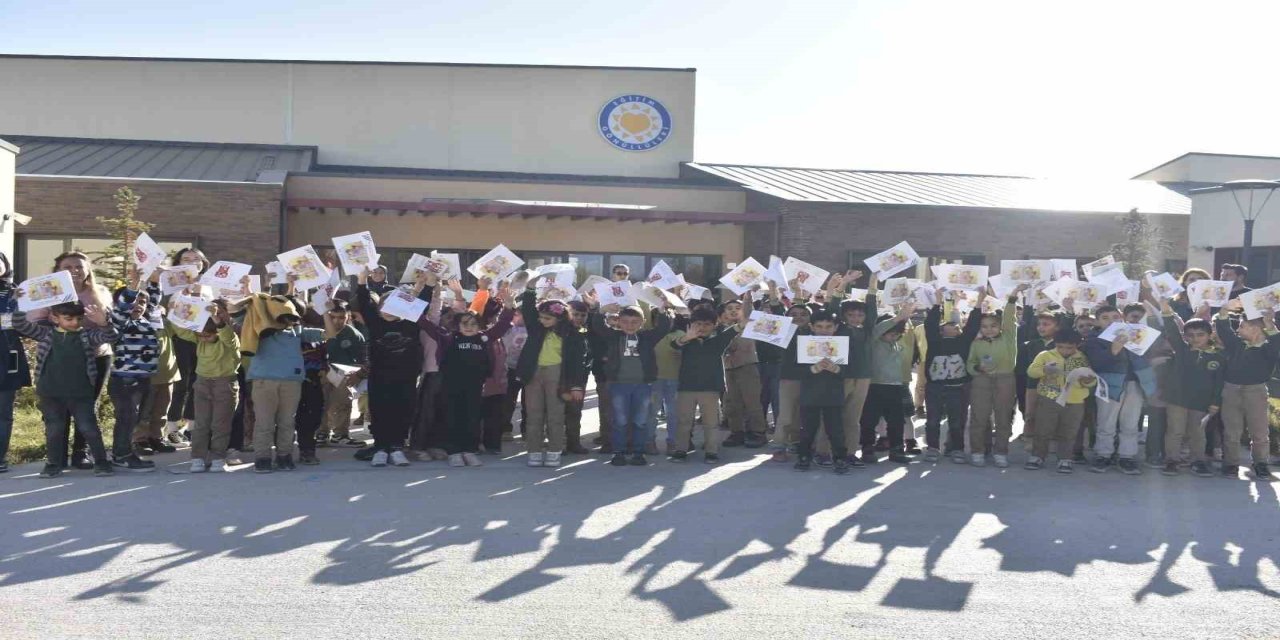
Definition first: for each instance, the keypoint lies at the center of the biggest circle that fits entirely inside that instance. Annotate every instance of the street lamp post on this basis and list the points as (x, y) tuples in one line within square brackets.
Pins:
[(1248, 212)]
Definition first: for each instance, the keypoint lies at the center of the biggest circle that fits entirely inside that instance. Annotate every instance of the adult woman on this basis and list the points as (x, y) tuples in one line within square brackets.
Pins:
[(182, 401), (1181, 304), (89, 292)]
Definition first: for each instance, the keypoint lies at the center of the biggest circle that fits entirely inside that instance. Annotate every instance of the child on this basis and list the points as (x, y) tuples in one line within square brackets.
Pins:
[(310, 413), (216, 389), (1045, 324), (148, 434), (991, 363), (947, 389), (1192, 391), (702, 351), (14, 371), (741, 401), (467, 360), (822, 403), (667, 383), (137, 352), (889, 378), (554, 361), (1252, 352), (1129, 379), (65, 373), (631, 369), (346, 346), (513, 345), (395, 362), (1057, 419), (579, 315), (791, 374)]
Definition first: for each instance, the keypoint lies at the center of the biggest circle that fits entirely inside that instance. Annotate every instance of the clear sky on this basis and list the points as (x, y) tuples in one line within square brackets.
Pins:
[(1024, 87)]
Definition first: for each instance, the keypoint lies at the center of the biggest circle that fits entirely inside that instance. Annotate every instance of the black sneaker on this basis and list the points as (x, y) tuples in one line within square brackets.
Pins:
[(638, 460), (882, 444), (1231, 471), (365, 454), (1170, 469), (4, 466), (1130, 467), (912, 448), (869, 456), (285, 462), (678, 456), (51, 471), (308, 458), (1202, 469), (103, 468), (133, 463), (854, 462), (823, 461), (619, 459), (1100, 464), (803, 464), (899, 457), (841, 467), (734, 440), (605, 449), (160, 446), (262, 465), (756, 440), (143, 449), (711, 458), (80, 460), (1261, 472)]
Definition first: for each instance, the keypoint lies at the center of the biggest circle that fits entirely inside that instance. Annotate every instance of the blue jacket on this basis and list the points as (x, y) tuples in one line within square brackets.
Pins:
[(1114, 369), (279, 355)]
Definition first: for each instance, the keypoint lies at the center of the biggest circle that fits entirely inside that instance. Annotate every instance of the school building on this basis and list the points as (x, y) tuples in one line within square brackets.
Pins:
[(591, 165)]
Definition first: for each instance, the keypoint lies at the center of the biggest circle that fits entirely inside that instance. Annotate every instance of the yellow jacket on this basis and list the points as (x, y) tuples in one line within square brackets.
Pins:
[(1051, 383)]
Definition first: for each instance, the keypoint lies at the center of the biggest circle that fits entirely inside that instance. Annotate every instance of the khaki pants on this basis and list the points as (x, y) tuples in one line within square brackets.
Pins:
[(742, 406), (1244, 407), (215, 405), (151, 422), (275, 407), (337, 410), (787, 431), (1059, 424), (990, 395), (855, 396), (1184, 422), (544, 426), (687, 405), (1029, 417)]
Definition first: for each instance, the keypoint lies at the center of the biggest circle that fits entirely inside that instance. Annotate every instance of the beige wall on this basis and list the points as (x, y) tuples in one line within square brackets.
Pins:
[(1199, 167), (7, 160), (406, 190), (415, 230), (433, 116)]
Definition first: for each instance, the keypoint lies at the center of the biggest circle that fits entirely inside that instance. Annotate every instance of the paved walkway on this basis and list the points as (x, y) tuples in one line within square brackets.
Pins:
[(745, 549)]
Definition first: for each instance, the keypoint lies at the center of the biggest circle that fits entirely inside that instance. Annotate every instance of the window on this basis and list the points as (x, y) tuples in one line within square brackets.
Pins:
[(588, 264), (635, 262)]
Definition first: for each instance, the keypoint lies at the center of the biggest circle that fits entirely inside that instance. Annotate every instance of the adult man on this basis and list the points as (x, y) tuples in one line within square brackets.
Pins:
[(1238, 275)]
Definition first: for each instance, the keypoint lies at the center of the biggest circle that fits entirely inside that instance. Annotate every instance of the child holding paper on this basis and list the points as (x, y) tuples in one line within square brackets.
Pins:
[(216, 390), (346, 347), (1192, 391), (741, 400), (702, 351), (947, 389), (792, 373), (182, 400), (889, 378), (395, 362), (553, 368), (1130, 379), (64, 374), (1058, 419), (1252, 353), (667, 382), (137, 352), (822, 403), (632, 367), (991, 364)]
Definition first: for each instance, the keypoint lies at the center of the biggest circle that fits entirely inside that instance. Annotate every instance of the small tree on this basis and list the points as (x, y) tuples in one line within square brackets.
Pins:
[(1141, 242), (114, 264)]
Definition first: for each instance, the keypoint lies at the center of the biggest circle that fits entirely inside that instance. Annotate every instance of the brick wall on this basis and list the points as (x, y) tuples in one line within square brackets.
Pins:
[(825, 233), (232, 221)]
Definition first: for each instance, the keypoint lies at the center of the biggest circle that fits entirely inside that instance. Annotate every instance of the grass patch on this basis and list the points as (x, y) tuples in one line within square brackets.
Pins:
[(27, 441)]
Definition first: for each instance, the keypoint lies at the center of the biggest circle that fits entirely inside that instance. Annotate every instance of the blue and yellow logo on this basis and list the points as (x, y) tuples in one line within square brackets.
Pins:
[(634, 123)]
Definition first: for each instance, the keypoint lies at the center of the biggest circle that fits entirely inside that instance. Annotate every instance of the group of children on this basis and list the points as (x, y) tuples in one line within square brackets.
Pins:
[(269, 370)]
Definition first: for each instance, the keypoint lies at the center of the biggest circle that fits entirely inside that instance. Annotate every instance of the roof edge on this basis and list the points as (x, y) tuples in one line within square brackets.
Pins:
[(174, 143), (53, 177), (411, 173), (350, 62), (1201, 153), (700, 165), (8, 146)]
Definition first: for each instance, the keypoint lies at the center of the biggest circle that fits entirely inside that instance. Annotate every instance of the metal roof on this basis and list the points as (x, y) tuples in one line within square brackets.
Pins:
[(951, 189), (220, 162), (400, 63)]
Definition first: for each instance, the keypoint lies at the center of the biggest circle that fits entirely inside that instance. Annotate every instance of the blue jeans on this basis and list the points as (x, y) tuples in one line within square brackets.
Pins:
[(630, 410), (664, 396), (6, 421)]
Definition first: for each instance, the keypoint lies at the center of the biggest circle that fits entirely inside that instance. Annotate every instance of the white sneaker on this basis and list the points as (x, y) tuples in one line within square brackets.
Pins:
[(455, 460), (380, 459), (198, 466), (552, 459), (399, 459), (977, 459), (1002, 462), (472, 460), (218, 466), (535, 458)]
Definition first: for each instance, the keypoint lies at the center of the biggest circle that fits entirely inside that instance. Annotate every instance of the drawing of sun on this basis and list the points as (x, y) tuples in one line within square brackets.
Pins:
[(635, 122)]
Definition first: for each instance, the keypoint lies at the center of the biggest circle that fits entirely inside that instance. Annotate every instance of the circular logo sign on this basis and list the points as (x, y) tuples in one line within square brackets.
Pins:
[(634, 123)]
